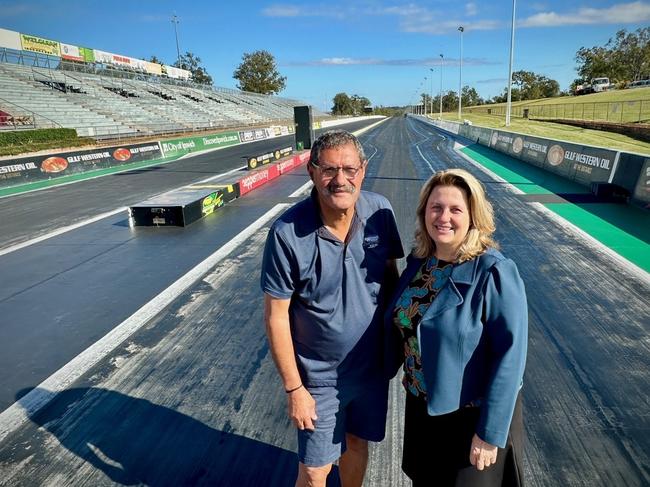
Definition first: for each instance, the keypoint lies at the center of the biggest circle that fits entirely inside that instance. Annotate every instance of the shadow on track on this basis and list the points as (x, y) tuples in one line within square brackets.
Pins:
[(136, 442)]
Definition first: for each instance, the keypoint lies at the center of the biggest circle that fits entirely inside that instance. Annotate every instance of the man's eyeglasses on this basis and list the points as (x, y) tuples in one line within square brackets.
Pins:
[(332, 172)]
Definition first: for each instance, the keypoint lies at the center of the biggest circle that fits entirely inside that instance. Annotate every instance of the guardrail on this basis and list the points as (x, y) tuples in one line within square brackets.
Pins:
[(633, 111)]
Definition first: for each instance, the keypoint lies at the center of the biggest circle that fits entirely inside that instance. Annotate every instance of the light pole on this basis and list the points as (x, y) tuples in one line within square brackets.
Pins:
[(431, 69), (442, 59), (461, 29), (178, 51), (512, 50), (424, 98)]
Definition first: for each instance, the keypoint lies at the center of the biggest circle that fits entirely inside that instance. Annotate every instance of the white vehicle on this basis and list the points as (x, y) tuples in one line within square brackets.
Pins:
[(600, 84)]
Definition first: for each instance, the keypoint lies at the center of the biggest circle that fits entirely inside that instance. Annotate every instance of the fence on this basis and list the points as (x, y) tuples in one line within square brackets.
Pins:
[(622, 111)]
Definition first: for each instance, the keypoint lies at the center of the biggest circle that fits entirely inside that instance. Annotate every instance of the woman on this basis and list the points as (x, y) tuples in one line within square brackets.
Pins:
[(459, 318)]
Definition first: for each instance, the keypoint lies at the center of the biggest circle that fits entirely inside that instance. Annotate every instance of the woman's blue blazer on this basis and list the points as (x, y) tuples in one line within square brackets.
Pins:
[(473, 341)]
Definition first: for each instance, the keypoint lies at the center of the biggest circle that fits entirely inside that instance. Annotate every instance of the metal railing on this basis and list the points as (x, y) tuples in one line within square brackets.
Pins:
[(633, 111)]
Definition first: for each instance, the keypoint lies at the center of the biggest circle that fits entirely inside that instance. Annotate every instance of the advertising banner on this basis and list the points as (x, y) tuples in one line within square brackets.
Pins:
[(582, 164), (642, 189), (36, 168), (178, 73), (502, 141), (251, 135), (68, 51), (179, 147), (40, 45), (10, 39), (279, 130), (102, 56), (87, 54), (533, 150), (294, 162), (258, 178), (274, 155), (152, 68)]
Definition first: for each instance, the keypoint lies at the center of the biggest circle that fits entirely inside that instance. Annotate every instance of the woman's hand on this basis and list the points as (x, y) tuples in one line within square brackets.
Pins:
[(482, 454), (301, 408)]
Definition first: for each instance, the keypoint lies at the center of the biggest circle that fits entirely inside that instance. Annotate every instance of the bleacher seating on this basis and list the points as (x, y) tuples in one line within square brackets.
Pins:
[(105, 104)]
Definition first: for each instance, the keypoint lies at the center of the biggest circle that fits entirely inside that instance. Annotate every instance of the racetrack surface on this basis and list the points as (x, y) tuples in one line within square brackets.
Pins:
[(192, 396)]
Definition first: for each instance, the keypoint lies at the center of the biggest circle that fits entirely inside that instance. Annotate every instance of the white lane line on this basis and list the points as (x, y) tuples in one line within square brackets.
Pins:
[(18, 413), (301, 190), (60, 231), (425, 159)]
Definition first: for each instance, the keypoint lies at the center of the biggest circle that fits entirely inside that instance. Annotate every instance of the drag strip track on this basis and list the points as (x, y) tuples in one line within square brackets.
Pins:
[(29, 215), (192, 397)]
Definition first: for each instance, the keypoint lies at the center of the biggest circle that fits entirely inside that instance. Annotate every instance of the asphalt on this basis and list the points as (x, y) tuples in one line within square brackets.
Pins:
[(192, 398)]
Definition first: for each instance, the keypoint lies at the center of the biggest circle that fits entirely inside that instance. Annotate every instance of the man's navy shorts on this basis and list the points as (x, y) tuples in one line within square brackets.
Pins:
[(359, 410)]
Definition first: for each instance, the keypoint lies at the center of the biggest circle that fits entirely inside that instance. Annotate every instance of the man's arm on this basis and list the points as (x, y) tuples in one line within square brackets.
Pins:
[(300, 405)]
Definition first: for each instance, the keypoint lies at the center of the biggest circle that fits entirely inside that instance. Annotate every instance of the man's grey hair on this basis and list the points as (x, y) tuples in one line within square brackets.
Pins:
[(332, 139)]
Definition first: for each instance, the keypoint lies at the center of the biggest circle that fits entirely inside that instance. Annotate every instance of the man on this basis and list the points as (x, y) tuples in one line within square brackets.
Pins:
[(329, 266)]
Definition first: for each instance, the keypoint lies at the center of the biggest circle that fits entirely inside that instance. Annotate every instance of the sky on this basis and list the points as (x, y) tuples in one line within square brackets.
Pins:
[(380, 49)]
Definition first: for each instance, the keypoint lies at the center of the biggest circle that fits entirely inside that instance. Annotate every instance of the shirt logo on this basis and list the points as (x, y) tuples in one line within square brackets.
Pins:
[(371, 241)]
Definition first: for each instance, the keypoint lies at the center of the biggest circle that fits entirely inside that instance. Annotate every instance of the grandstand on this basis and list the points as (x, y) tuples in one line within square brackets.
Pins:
[(109, 100)]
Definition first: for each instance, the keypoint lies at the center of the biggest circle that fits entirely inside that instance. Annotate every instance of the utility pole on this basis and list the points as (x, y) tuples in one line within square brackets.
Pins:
[(175, 21), (442, 59), (512, 50), (431, 69), (461, 29)]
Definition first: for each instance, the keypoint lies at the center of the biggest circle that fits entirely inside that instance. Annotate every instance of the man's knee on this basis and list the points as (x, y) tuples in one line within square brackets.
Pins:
[(355, 443), (312, 476)]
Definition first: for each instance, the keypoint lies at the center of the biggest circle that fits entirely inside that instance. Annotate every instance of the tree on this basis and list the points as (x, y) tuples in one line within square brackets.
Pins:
[(192, 63), (626, 57), (471, 97), (342, 104), (350, 105), (154, 59), (258, 73)]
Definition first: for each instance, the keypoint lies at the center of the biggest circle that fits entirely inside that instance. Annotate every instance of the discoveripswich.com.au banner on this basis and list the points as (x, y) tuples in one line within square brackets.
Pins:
[(180, 147), (38, 168)]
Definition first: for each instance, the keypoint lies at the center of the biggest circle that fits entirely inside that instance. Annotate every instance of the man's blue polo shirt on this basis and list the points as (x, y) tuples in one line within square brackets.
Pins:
[(335, 288)]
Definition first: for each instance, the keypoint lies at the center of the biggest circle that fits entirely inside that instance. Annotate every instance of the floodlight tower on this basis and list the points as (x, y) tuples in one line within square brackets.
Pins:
[(461, 29), (512, 50), (175, 21), (442, 59)]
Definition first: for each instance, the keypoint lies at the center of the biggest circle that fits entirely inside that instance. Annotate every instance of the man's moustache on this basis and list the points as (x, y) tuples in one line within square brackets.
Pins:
[(348, 188)]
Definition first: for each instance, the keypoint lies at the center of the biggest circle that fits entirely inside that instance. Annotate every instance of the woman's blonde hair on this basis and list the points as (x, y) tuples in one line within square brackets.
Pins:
[(481, 216)]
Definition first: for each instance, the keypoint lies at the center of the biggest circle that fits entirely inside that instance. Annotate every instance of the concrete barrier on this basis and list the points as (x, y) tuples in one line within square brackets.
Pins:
[(586, 165)]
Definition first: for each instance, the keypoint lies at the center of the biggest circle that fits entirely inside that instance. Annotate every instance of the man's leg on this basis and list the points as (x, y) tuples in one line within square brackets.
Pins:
[(353, 463), (312, 476)]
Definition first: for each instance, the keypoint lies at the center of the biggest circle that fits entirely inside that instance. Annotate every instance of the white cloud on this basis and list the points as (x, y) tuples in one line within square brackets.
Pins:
[(427, 62), (471, 9), (284, 11), (623, 13)]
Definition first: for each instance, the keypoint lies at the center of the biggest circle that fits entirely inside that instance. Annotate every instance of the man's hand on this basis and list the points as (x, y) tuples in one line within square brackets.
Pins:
[(482, 454), (301, 408)]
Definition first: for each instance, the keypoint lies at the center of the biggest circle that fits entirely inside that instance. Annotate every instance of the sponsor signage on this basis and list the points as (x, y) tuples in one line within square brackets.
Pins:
[(257, 179), (294, 162), (275, 155), (35, 168), (642, 189), (173, 72), (40, 45), (10, 39), (179, 147), (582, 164), (68, 51), (529, 149), (251, 135)]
